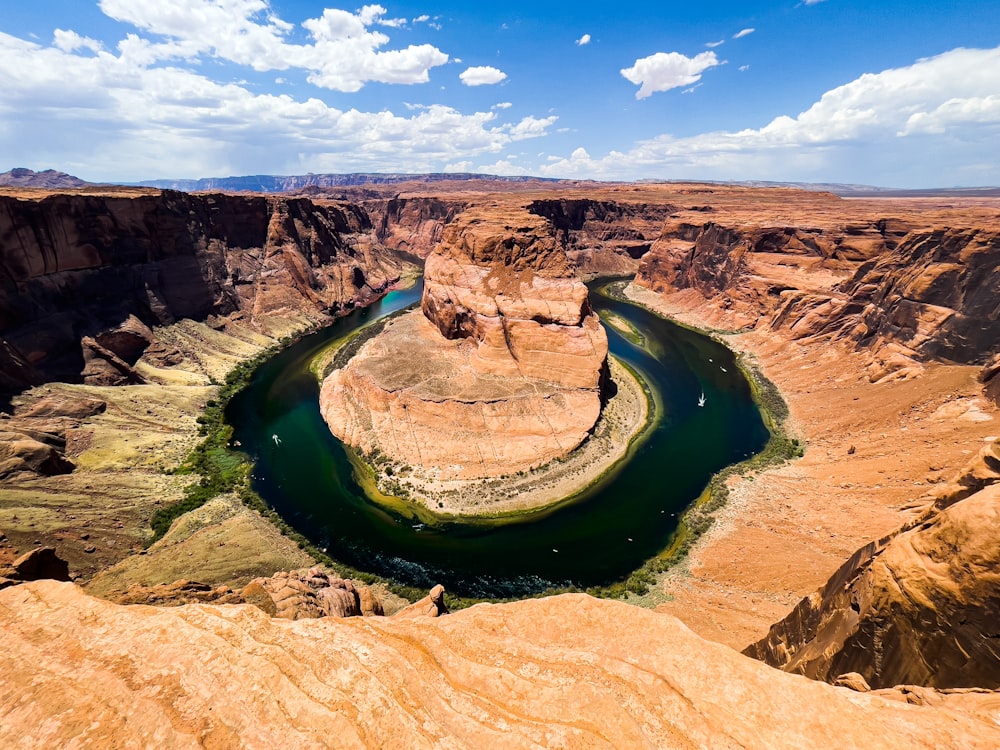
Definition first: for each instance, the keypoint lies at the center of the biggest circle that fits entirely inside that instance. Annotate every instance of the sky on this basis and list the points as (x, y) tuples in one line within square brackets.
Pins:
[(895, 93)]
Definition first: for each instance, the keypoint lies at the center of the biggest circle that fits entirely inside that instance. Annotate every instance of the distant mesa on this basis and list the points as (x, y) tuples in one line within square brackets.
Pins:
[(49, 178)]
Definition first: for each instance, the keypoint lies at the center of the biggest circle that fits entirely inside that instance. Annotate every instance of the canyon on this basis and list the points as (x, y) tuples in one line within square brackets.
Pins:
[(873, 554)]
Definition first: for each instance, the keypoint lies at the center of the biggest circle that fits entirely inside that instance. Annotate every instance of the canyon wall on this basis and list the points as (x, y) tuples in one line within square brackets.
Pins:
[(83, 276), (603, 237), (903, 292)]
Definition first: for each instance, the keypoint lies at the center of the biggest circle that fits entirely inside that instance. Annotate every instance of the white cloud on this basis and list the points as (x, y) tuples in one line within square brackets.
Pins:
[(970, 111), (502, 105), (132, 121), (70, 41), (743, 32), (585, 39), (503, 167), (932, 123), (668, 70), (713, 45), (743, 68), (345, 54), (481, 75)]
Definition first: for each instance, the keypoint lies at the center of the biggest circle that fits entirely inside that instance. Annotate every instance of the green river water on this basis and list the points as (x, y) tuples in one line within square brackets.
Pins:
[(597, 538)]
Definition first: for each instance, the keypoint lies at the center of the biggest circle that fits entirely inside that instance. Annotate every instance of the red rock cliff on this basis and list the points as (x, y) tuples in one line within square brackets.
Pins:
[(75, 266)]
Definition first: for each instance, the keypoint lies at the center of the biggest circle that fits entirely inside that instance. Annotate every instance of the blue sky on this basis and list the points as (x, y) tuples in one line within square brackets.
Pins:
[(892, 93)]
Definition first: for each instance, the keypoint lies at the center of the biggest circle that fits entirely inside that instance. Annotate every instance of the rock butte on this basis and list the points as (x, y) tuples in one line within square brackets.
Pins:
[(877, 318), (501, 370)]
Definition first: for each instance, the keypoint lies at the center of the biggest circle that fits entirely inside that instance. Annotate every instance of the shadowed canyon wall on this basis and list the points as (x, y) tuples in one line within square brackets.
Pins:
[(83, 276)]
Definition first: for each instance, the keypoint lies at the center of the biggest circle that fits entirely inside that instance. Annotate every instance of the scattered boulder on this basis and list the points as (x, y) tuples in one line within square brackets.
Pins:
[(432, 605), (62, 405), (854, 681), (311, 593), (32, 452), (39, 563)]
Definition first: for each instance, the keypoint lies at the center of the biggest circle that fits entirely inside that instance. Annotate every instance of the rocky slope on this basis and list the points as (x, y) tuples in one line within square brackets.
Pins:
[(920, 606), (568, 671), (84, 276), (502, 369)]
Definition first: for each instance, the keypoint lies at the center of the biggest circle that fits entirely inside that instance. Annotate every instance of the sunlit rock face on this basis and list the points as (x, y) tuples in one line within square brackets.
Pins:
[(500, 371)]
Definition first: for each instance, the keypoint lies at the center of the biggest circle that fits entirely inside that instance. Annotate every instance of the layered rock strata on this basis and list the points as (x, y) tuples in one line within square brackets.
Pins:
[(500, 371), (604, 237), (84, 276), (903, 292), (920, 606), (568, 671)]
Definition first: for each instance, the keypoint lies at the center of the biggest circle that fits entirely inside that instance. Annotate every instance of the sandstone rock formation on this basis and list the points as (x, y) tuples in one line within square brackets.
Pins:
[(35, 565), (905, 289), (921, 606), (432, 605), (311, 593), (413, 225), (604, 236), (568, 671), (83, 276), (502, 371)]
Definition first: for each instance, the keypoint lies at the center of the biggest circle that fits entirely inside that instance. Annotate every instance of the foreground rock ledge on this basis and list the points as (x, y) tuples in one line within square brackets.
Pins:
[(500, 372), (568, 671)]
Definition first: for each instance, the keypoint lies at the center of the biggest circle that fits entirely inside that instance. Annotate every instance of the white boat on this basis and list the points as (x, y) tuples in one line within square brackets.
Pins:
[(701, 399)]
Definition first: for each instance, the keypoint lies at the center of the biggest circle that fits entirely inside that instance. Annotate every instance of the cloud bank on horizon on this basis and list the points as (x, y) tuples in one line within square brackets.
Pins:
[(128, 90)]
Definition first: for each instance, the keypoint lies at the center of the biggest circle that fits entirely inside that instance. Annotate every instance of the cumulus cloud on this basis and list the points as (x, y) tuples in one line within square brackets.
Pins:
[(743, 32), (481, 75), (345, 53), (130, 119), (585, 39), (668, 70), (932, 123), (70, 41)]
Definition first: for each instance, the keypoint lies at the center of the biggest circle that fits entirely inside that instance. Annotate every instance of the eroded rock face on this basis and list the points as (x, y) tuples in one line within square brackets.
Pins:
[(568, 671), (84, 277), (413, 225), (502, 370), (903, 292), (604, 236), (920, 607)]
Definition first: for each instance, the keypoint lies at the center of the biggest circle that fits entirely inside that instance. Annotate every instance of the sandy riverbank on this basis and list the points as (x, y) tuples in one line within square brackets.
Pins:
[(622, 421), (872, 451)]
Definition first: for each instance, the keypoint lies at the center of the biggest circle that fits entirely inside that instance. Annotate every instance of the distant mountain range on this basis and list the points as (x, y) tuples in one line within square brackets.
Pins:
[(50, 178), (262, 183)]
